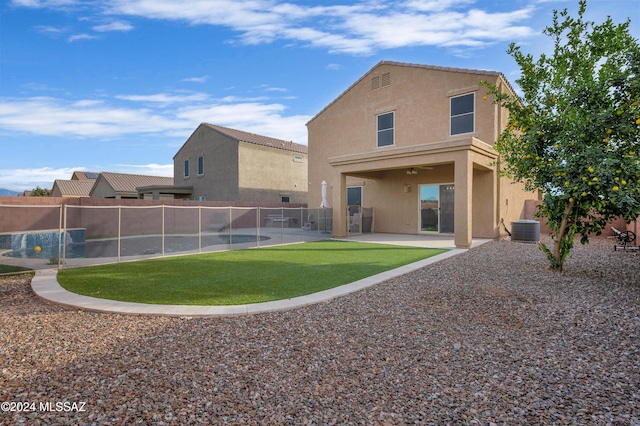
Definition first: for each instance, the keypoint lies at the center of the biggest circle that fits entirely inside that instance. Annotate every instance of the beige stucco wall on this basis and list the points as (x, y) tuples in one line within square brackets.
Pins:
[(343, 151), (103, 190), (220, 179), (268, 174), (240, 171)]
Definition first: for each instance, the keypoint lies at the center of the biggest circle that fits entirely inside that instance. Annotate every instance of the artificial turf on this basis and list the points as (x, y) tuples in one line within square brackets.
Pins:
[(9, 269), (240, 276)]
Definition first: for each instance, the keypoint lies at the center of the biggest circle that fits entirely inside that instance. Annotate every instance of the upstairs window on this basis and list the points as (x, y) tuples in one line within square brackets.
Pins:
[(462, 114), (186, 168), (386, 129), (200, 166)]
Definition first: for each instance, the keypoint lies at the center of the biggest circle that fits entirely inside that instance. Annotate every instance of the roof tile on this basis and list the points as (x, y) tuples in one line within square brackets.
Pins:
[(74, 188), (258, 139), (123, 182)]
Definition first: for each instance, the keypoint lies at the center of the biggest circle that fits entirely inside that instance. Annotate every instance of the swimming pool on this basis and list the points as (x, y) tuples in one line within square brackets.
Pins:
[(135, 246)]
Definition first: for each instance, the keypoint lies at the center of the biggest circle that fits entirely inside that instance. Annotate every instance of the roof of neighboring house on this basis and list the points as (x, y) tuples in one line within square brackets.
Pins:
[(80, 175), (73, 188), (241, 136), (429, 67), (127, 183)]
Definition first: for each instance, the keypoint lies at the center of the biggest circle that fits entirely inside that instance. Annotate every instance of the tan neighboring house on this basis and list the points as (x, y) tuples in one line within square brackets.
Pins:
[(415, 144), (81, 175), (223, 164), (72, 188), (123, 185)]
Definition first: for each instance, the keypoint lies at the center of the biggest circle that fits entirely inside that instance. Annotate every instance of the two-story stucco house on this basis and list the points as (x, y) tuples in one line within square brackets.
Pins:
[(223, 164), (415, 143)]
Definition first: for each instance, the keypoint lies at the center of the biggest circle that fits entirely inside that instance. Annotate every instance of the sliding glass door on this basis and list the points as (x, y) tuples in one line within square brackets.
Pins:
[(436, 208)]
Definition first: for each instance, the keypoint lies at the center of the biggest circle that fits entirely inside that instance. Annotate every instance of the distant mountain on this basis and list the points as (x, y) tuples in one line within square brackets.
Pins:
[(7, 192)]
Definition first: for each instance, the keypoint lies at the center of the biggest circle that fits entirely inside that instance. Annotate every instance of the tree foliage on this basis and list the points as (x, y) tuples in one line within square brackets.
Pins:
[(574, 133), (40, 192)]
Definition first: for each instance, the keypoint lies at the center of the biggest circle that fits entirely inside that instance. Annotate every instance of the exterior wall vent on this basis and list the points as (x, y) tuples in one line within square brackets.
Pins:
[(525, 230), (386, 79), (375, 83)]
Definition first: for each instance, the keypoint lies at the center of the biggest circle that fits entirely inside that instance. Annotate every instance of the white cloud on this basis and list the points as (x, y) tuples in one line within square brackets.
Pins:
[(264, 119), (81, 37), (360, 28), (84, 118), (241, 99), (144, 169), (436, 5), (165, 98), (202, 79), (38, 4), (92, 119), (51, 30), (114, 26), (28, 179), (268, 88)]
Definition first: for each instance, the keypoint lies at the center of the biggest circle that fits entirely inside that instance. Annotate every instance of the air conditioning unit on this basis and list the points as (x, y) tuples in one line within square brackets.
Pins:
[(525, 231)]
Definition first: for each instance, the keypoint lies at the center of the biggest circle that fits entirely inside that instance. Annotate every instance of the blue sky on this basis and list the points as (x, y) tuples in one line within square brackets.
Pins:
[(119, 85)]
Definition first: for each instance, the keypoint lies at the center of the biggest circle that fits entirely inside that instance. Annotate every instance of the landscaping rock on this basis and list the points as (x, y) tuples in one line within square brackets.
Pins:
[(488, 337)]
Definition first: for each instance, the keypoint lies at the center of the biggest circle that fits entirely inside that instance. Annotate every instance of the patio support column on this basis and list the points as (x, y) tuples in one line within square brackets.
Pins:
[(463, 201), (340, 209)]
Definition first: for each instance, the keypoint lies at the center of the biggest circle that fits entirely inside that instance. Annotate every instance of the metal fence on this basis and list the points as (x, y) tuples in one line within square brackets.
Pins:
[(70, 235)]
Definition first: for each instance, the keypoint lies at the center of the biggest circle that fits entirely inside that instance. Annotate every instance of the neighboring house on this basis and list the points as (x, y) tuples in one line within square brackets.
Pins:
[(72, 188), (122, 185), (80, 175), (223, 164), (415, 143)]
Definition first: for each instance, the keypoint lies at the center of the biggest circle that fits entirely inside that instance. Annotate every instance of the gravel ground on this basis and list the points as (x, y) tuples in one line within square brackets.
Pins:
[(486, 337)]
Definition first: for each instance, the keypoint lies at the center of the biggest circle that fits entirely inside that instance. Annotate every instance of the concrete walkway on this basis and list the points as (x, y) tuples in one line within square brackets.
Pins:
[(45, 285)]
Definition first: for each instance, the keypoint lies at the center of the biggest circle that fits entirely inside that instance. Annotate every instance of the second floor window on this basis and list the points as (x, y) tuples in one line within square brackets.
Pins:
[(386, 129), (186, 168), (462, 114), (200, 166)]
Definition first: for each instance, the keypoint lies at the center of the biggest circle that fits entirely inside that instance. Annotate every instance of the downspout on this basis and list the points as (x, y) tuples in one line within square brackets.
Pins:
[(497, 130)]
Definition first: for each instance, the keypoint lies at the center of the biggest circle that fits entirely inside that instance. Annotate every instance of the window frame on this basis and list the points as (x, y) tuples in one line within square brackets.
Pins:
[(186, 171), (472, 113), (200, 165), (392, 128)]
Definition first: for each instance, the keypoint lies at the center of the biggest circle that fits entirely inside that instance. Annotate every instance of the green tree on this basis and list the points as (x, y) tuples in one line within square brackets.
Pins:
[(39, 192), (574, 133)]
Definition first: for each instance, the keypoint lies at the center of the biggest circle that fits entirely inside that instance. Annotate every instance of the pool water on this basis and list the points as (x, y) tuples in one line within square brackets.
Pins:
[(133, 246), (72, 250)]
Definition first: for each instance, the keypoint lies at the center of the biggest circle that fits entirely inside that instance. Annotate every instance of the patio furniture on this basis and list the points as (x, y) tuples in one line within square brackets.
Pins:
[(274, 220), (625, 238)]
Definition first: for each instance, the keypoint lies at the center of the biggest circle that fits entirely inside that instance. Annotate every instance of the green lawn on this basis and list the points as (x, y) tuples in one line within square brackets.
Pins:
[(240, 276), (8, 269)]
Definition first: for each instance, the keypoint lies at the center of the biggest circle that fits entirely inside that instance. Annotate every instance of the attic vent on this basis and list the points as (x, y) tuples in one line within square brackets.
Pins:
[(386, 79), (298, 158), (375, 83)]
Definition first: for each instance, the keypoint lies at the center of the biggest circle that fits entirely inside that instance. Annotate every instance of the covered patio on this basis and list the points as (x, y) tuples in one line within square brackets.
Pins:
[(395, 181)]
